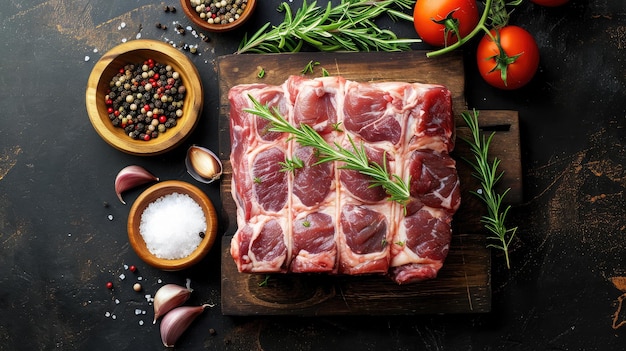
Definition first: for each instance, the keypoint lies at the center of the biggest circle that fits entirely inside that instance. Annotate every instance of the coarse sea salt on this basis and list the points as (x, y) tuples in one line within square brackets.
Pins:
[(171, 226)]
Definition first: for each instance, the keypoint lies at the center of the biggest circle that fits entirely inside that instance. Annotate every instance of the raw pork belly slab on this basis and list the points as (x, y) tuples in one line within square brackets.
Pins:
[(324, 219)]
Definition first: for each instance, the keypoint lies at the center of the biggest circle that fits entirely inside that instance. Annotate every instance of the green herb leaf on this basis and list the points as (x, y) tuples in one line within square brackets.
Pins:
[(348, 26), (487, 173), (290, 165), (309, 67)]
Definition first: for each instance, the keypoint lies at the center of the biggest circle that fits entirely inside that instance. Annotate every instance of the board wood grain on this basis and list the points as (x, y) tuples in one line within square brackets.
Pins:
[(463, 284)]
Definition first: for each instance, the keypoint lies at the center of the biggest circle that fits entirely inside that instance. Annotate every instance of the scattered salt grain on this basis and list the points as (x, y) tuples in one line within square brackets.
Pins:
[(139, 278), (95, 50), (137, 311), (110, 217), (170, 226), (138, 36), (122, 25), (113, 316), (122, 276), (141, 322), (107, 314), (124, 40), (117, 301), (87, 58)]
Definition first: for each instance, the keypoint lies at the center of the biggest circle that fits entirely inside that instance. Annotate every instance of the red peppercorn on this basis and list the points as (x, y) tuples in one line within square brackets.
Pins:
[(156, 76), (132, 268), (122, 71), (162, 119), (116, 113), (109, 285), (109, 102), (146, 137), (110, 110)]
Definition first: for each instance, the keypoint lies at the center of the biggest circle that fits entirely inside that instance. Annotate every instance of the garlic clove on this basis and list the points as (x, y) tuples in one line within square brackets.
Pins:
[(168, 297), (130, 177), (176, 321), (203, 165)]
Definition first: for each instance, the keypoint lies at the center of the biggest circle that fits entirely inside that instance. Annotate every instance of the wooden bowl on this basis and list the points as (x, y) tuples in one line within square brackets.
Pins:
[(194, 16), (137, 51), (150, 195)]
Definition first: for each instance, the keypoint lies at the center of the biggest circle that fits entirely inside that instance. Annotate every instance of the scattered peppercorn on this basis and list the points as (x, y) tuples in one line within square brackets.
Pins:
[(109, 285), (132, 269), (159, 25), (212, 331), (201, 234), (137, 287)]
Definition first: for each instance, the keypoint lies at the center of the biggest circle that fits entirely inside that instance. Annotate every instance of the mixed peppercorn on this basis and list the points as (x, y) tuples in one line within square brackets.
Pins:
[(145, 99), (219, 11)]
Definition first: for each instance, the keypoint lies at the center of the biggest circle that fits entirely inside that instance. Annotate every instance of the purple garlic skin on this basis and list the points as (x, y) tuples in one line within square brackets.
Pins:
[(176, 321), (130, 177), (168, 297)]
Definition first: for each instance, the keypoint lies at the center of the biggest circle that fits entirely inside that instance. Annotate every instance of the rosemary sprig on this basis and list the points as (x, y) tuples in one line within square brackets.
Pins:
[(291, 164), (487, 173), (348, 26), (397, 189)]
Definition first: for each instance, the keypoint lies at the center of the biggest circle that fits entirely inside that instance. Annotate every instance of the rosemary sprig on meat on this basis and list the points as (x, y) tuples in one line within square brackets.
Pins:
[(348, 26), (356, 159), (487, 173)]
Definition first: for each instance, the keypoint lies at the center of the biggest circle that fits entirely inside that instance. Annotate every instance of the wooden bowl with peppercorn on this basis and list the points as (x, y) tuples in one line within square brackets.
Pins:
[(218, 15), (144, 97), (172, 225)]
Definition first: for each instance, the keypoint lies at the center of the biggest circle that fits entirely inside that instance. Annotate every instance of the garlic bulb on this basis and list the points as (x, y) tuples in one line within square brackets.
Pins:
[(168, 297), (176, 321), (130, 177), (203, 165)]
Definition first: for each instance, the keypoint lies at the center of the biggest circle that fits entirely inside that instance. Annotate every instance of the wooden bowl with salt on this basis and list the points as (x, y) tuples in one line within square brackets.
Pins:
[(136, 52), (163, 190)]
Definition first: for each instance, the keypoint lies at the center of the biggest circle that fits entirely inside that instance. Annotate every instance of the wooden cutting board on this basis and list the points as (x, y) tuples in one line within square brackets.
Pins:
[(463, 284)]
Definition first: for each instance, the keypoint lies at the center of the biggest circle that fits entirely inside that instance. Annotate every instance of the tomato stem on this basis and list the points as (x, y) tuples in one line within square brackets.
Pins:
[(462, 40), (503, 60), (451, 25)]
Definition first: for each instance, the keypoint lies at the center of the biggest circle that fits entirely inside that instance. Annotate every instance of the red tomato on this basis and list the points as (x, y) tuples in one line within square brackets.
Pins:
[(550, 3), (434, 19), (511, 64)]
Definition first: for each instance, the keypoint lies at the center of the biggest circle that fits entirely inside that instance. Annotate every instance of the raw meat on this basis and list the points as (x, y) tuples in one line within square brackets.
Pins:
[(322, 218)]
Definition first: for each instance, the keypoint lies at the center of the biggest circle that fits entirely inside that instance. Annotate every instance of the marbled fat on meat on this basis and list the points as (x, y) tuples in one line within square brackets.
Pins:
[(324, 219)]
